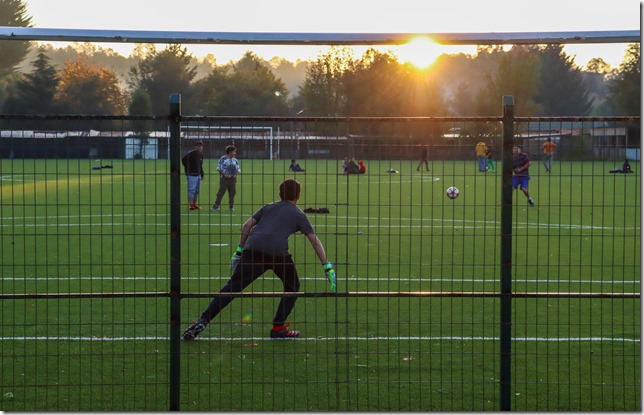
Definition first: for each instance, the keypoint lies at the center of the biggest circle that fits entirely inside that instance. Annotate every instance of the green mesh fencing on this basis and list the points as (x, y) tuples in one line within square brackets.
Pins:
[(104, 265)]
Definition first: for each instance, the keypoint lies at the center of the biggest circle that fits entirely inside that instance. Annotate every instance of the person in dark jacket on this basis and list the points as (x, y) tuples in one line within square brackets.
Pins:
[(295, 166), (424, 158), (193, 166), (626, 168), (352, 167)]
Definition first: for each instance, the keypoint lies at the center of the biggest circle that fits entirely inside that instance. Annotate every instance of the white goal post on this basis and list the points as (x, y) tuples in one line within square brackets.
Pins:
[(269, 129), (275, 38)]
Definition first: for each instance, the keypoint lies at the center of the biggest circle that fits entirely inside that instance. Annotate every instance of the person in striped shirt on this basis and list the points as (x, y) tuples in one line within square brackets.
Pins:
[(228, 168)]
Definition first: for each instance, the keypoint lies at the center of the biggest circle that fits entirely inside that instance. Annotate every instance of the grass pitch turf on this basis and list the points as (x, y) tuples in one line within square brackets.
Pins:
[(69, 229)]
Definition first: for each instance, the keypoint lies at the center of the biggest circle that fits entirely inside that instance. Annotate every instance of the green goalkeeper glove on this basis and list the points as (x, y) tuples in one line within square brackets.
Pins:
[(329, 273), (236, 258)]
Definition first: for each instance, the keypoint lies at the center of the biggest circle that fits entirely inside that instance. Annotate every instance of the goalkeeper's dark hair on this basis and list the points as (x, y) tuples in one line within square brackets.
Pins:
[(290, 189)]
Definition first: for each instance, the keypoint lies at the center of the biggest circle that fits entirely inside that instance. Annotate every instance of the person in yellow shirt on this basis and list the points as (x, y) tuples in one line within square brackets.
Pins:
[(549, 154), (481, 155)]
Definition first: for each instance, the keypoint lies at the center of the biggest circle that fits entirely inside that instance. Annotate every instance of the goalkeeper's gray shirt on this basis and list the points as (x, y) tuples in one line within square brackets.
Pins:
[(275, 223)]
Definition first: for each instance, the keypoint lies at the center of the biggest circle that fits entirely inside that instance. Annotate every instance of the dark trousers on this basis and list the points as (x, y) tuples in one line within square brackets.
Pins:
[(251, 267), (227, 185)]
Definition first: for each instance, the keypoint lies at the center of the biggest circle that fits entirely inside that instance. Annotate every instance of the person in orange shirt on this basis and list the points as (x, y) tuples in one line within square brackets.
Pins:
[(549, 154)]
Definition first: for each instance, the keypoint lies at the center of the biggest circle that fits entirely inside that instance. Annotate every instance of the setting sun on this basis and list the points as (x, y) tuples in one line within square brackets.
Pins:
[(420, 52)]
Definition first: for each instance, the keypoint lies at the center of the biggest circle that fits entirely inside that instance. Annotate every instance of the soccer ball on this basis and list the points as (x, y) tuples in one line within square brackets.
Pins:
[(452, 192)]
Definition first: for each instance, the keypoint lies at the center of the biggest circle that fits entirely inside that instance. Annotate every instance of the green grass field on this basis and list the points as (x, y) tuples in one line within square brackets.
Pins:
[(69, 229)]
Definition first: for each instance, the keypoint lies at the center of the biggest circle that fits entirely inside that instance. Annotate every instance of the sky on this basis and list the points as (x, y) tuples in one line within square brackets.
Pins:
[(342, 16)]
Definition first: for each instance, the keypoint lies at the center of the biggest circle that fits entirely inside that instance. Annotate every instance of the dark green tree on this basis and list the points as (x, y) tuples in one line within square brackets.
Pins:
[(254, 89), (247, 87), (379, 85), (140, 104), (598, 65), (34, 92), (562, 91), (373, 86), (516, 74), (291, 73), (13, 13), (9, 100), (323, 91), (161, 73), (625, 88), (462, 103), (210, 94), (596, 80)]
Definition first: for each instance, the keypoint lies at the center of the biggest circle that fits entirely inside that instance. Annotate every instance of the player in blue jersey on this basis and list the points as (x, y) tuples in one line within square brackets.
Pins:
[(520, 174)]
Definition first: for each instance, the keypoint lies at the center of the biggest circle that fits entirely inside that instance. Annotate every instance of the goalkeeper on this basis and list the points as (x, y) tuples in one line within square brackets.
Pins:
[(263, 245)]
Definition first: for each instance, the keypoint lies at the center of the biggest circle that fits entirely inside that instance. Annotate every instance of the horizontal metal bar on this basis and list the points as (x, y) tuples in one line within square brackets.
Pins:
[(275, 38), (409, 294), (573, 295), (347, 294), (76, 117), (28, 296), (228, 119), (250, 119)]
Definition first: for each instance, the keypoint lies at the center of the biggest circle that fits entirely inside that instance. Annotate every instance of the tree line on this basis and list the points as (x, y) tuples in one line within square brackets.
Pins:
[(543, 79)]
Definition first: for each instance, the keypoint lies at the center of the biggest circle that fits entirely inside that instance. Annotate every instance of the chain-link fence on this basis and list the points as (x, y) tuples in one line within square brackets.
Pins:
[(482, 302)]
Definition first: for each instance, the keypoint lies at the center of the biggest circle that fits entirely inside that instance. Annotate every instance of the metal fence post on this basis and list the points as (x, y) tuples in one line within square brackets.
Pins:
[(505, 355), (175, 249)]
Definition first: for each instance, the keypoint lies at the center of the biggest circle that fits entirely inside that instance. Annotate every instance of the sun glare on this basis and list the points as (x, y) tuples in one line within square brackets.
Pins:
[(420, 52)]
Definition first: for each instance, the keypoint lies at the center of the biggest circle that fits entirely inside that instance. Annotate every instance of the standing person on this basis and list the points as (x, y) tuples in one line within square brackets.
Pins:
[(228, 168), (549, 154), (263, 245), (193, 167), (481, 150), (490, 163), (424, 158), (521, 176)]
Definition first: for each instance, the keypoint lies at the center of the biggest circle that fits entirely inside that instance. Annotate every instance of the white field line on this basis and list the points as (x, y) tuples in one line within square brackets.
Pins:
[(312, 178), (381, 279), (320, 339), (371, 222)]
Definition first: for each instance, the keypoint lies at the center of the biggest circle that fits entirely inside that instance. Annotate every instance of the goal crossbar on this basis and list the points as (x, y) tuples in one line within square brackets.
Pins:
[(287, 38)]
